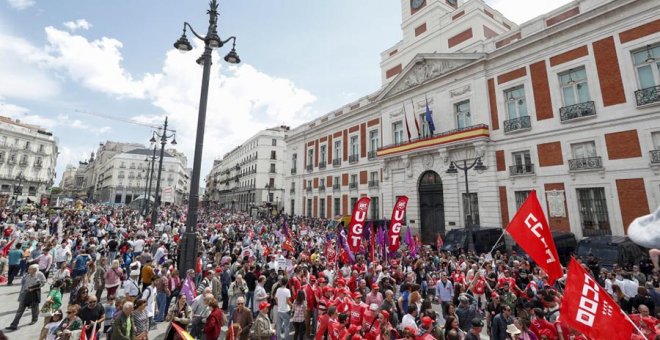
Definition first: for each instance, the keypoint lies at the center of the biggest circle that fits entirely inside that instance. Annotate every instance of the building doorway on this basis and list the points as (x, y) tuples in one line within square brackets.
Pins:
[(431, 206)]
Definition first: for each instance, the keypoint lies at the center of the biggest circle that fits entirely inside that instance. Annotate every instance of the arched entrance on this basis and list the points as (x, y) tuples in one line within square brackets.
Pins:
[(431, 206)]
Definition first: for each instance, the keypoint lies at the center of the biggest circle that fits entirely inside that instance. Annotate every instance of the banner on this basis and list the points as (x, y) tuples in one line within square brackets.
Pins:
[(356, 227), (530, 230), (589, 309), (167, 195), (394, 235)]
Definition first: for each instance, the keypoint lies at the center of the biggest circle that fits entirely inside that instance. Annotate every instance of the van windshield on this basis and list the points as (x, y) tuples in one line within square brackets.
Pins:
[(601, 253), (456, 237)]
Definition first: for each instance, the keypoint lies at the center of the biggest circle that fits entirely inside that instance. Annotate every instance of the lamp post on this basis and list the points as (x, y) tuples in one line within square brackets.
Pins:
[(163, 140), (18, 189), (148, 179), (188, 245), (453, 169)]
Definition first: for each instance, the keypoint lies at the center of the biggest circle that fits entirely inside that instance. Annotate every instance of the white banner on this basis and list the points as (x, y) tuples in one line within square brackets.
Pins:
[(167, 195)]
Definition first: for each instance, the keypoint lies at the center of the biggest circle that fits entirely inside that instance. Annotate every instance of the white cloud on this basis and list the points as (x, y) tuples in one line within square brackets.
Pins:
[(77, 24), (21, 4), (23, 114), (520, 11)]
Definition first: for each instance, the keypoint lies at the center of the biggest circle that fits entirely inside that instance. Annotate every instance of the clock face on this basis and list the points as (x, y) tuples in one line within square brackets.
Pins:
[(416, 4)]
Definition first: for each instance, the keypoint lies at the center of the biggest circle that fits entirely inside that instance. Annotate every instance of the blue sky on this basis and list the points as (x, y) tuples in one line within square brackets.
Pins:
[(301, 59)]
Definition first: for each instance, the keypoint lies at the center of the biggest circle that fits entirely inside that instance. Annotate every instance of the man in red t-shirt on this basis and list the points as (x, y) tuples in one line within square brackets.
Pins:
[(327, 324), (310, 297), (357, 308)]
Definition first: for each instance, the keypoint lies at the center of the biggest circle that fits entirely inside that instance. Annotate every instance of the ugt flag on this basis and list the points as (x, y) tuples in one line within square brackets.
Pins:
[(356, 227), (589, 309), (530, 230)]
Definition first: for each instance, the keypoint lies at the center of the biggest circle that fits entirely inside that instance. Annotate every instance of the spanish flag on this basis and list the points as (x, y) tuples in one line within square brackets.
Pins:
[(182, 333)]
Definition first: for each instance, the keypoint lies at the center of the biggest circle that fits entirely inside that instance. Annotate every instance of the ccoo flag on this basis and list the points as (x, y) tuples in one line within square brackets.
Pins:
[(588, 308), (530, 230)]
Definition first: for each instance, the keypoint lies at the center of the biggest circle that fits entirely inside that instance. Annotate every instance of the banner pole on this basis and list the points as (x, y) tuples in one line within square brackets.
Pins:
[(635, 325), (491, 255)]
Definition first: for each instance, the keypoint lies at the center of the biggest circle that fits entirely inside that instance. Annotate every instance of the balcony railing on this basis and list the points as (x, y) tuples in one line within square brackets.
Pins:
[(22, 163), (38, 165), (373, 184), (336, 162), (322, 165), (121, 177), (321, 187), (521, 169), (336, 187), (308, 189), (272, 171), (655, 156), (466, 134), (353, 158), (292, 190), (648, 95), (293, 171), (372, 154), (586, 109), (588, 163), (352, 185), (310, 167), (590, 232), (517, 124)]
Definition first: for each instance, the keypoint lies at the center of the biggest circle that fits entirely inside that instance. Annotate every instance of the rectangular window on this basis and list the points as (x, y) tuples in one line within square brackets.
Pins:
[(353, 201), (294, 160), (337, 150), (373, 140), (27, 145), (647, 66), (322, 207), (515, 102), (337, 207), (274, 142), (424, 125), (471, 210), (655, 137), (310, 157), (309, 207), (375, 208), (397, 132), (323, 153), (273, 154), (293, 185), (354, 179), (322, 182), (373, 176), (522, 163), (574, 86), (354, 145), (272, 168), (521, 196), (271, 183), (593, 212), (293, 207), (309, 184), (41, 148), (462, 113), (584, 150)]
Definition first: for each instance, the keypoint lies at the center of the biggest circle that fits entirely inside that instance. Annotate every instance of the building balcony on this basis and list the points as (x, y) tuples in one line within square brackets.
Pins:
[(648, 95), (372, 154), (521, 170), (309, 190), (22, 163), (581, 110), (321, 187), (121, 176), (655, 156), (322, 165), (463, 135), (293, 171), (336, 162), (310, 168), (38, 165), (353, 158), (373, 184), (589, 163), (336, 187), (292, 190), (11, 161), (272, 171), (352, 185), (523, 123)]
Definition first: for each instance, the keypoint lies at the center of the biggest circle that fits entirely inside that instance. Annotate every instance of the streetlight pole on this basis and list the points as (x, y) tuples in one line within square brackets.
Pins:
[(188, 245), (453, 169), (163, 140), (150, 176), (18, 189)]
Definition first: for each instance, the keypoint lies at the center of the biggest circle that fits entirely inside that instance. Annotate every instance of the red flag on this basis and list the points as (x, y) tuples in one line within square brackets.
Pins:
[(7, 248), (83, 332), (372, 246), (530, 230), (439, 242), (394, 235), (405, 117), (588, 308), (288, 246), (182, 332), (356, 227)]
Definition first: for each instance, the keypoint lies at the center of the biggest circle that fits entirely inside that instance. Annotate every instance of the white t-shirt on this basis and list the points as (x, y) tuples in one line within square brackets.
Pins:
[(282, 295), (138, 245)]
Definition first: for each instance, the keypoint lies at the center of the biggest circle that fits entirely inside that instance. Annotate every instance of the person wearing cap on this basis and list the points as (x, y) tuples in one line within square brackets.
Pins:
[(466, 311), (374, 296), (356, 309), (475, 331), (370, 323), (263, 328), (341, 300), (310, 297), (327, 324)]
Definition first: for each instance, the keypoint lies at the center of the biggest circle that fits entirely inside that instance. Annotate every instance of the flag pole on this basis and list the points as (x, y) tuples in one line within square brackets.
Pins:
[(491, 255), (634, 325)]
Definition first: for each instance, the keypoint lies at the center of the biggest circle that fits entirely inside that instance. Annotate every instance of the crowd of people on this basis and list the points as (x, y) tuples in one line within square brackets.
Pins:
[(110, 272)]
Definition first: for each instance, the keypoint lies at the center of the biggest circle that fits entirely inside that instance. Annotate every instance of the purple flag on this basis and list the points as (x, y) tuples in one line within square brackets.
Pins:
[(367, 231), (344, 245), (409, 239), (380, 237)]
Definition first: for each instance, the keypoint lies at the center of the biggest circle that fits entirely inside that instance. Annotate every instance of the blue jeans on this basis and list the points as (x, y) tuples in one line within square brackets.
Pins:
[(161, 302), (249, 298), (282, 329)]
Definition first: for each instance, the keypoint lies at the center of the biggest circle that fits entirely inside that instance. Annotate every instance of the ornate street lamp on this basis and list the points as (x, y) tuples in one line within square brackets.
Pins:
[(188, 245), (453, 169)]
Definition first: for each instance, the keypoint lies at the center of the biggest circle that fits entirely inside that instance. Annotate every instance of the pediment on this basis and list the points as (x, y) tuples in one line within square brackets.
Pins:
[(426, 67)]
